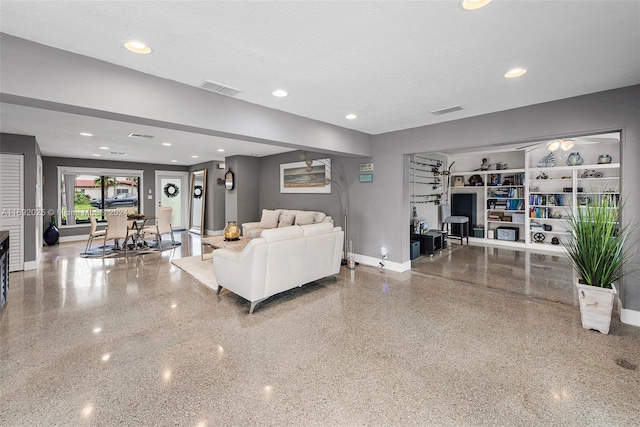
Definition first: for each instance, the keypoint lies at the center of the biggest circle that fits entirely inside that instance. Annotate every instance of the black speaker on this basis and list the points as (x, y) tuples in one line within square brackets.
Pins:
[(464, 204)]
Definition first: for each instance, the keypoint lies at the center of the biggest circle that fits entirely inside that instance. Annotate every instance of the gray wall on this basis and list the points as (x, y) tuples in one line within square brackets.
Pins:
[(214, 208), (26, 145), (595, 113), (50, 192), (242, 203)]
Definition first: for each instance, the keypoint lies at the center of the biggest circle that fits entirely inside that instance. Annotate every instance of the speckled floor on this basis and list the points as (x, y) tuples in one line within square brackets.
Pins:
[(136, 341)]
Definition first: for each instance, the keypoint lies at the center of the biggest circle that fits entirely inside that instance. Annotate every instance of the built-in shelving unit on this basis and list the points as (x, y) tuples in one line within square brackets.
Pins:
[(528, 204)]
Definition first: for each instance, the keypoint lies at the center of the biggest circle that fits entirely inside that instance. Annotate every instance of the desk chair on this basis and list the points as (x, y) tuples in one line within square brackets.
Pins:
[(447, 219)]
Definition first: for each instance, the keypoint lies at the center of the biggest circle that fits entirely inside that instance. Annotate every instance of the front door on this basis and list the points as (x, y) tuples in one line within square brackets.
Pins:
[(172, 189)]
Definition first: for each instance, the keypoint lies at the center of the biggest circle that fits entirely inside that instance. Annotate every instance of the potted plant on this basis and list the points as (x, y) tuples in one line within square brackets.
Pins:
[(598, 248)]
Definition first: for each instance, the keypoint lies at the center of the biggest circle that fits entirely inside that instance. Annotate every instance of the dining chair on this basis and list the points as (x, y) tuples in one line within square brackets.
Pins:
[(94, 232), (162, 226), (455, 219), (116, 228)]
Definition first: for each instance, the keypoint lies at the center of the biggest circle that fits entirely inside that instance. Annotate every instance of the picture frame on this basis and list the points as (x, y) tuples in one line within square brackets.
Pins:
[(308, 177), (366, 177), (458, 181)]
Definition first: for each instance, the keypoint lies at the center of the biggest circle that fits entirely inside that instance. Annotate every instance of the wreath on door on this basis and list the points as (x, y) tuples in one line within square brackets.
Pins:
[(171, 190), (197, 192)]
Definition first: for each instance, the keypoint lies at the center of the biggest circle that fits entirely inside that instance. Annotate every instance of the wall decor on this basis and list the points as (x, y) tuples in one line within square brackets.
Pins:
[(366, 167), (311, 176), (229, 180), (171, 190), (458, 181), (366, 177)]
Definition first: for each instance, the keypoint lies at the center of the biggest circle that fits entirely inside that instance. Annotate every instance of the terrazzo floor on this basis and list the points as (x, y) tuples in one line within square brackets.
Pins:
[(470, 337)]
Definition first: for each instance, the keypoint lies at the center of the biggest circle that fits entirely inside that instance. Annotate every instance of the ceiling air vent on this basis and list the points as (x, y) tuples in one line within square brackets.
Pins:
[(219, 88), (118, 153), (446, 110), (139, 135)]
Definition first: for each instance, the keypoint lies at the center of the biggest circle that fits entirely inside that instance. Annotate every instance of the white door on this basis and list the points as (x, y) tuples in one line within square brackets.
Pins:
[(12, 206), (172, 189)]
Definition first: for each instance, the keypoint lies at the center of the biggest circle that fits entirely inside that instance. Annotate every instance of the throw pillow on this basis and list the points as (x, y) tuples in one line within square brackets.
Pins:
[(304, 218), (286, 220), (320, 216), (269, 218)]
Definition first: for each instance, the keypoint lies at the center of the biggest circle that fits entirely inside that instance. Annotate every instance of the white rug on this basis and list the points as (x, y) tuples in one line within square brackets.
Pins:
[(200, 270)]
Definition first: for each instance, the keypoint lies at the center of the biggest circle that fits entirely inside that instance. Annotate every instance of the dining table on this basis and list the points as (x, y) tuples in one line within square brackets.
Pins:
[(138, 222)]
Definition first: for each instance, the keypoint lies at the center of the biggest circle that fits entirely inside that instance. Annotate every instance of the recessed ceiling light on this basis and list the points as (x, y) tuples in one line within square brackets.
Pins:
[(86, 134), (516, 72), (350, 116), (166, 143), (195, 157), (221, 150), (137, 47), (474, 4), (104, 148), (279, 93), (96, 155), (174, 161)]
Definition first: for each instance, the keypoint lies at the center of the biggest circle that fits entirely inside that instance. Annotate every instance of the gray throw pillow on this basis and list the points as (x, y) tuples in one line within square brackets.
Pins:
[(286, 220)]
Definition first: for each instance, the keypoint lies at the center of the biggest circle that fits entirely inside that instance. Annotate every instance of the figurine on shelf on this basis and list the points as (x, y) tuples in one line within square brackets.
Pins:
[(574, 159), (547, 161), (542, 176), (485, 164)]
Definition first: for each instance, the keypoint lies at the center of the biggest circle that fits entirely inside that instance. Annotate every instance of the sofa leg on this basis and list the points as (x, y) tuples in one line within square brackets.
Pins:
[(218, 290), (253, 306)]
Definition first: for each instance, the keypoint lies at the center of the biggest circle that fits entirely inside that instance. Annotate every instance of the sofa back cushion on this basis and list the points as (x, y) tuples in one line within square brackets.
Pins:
[(284, 233), (305, 217), (269, 218), (313, 229)]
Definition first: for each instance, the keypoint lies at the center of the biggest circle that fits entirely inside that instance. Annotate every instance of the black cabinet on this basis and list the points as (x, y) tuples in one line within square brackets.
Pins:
[(464, 204), (431, 242)]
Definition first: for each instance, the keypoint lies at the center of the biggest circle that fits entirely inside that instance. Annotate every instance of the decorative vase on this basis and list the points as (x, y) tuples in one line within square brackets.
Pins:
[(51, 234), (604, 159), (574, 159), (596, 306), (231, 231)]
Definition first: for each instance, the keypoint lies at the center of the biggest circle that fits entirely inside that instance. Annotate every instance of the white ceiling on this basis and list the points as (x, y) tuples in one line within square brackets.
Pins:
[(389, 62)]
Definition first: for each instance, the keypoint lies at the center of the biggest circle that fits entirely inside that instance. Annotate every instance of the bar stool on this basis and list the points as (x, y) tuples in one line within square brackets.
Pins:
[(448, 219)]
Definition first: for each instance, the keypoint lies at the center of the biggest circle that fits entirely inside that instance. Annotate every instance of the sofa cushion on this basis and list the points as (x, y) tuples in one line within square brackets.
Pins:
[(313, 229), (269, 218), (320, 216), (254, 232), (284, 233), (286, 220), (305, 217)]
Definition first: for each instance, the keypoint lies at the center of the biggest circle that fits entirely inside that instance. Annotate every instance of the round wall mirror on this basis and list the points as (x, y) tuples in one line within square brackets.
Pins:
[(228, 180)]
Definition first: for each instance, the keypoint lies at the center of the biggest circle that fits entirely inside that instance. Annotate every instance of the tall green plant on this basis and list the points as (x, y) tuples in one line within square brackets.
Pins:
[(598, 247)]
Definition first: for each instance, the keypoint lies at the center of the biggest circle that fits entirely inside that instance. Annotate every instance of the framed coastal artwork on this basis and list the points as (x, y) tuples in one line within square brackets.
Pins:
[(311, 176)]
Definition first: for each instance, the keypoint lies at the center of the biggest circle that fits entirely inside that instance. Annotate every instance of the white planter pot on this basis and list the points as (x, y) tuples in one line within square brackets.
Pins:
[(596, 305)]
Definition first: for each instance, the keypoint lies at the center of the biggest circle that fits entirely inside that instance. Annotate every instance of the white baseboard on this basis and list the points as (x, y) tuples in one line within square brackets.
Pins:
[(73, 238), (388, 265), (30, 265), (630, 317)]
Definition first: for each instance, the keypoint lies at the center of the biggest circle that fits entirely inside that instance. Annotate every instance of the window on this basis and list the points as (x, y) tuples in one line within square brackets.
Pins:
[(84, 190)]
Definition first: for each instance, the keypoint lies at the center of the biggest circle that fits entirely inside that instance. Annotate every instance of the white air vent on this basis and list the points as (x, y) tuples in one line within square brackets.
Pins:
[(118, 153), (219, 88), (446, 110), (139, 135)]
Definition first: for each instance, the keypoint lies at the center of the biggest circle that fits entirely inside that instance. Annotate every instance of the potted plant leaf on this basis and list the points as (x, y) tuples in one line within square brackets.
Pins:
[(598, 248)]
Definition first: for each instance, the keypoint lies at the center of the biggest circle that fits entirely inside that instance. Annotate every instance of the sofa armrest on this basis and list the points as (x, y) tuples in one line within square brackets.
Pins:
[(249, 226)]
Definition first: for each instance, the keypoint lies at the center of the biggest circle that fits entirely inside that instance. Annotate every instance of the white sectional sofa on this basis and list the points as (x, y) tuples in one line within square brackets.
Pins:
[(278, 218), (279, 260)]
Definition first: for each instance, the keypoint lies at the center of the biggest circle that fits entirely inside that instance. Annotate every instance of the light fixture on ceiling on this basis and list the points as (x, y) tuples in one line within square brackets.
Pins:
[(166, 144), (104, 148), (174, 161), (279, 93), (137, 47), (351, 116), (565, 144), (515, 72), (96, 155), (195, 157), (474, 4), (86, 134), (220, 150)]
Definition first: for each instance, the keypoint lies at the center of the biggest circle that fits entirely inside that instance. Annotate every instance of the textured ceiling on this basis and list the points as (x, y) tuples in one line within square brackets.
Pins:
[(388, 62)]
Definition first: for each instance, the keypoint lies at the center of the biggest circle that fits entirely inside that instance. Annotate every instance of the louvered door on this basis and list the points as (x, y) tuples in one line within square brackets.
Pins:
[(12, 206)]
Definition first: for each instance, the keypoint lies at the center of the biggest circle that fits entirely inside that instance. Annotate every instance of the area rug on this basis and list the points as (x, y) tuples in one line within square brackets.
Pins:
[(200, 270)]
